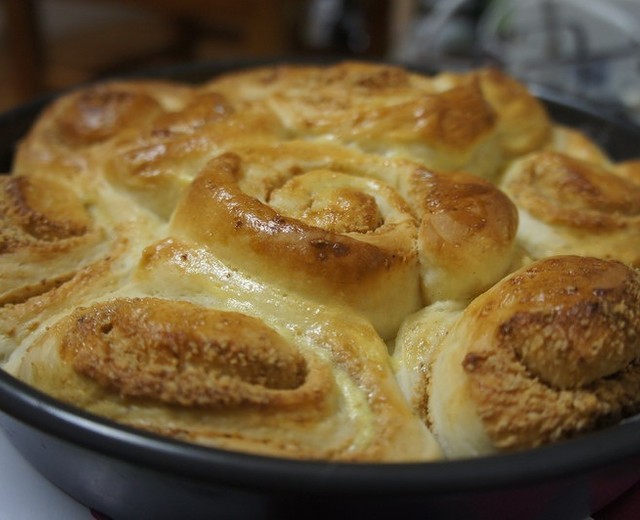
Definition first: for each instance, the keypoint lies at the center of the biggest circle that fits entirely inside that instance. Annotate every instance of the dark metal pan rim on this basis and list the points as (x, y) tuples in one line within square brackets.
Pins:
[(564, 459)]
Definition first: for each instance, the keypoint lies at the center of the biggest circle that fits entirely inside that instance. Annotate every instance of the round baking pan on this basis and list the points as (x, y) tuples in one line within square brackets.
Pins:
[(129, 474)]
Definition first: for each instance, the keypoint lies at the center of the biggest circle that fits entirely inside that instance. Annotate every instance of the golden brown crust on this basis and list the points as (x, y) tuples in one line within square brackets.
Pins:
[(572, 206), (328, 259), (46, 237), (98, 114), (223, 263), (524, 125), (466, 236), (380, 109), (588, 333), (570, 192), (364, 102), (226, 379), (548, 353), (36, 210), (83, 123), (155, 165), (178, 353)]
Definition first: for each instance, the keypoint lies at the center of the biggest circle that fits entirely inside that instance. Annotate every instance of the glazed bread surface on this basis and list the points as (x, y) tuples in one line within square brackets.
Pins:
[(352, 262), (536, 359)]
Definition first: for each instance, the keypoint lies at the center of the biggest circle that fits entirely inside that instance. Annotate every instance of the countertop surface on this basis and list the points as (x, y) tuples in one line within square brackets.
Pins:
[(26, 495)]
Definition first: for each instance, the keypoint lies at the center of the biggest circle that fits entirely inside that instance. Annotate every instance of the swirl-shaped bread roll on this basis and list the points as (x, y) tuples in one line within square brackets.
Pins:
[(50, 247), (314, 219), (59, 245), (522, 122), (547, 353), (291, 215), (309, 383), (69, 137), (445, 123), (571, 206), (466, 236), (156, 166), (42, 229)]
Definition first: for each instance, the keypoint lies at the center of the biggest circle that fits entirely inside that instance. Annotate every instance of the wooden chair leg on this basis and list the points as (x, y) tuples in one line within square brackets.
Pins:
[(25, 46)]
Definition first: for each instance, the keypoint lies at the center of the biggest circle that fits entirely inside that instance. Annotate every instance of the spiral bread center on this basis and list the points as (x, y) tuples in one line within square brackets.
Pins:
[(330, 201), (179, 352)]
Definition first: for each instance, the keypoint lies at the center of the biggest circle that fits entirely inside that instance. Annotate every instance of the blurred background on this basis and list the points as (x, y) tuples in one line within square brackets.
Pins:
[(588, 49)]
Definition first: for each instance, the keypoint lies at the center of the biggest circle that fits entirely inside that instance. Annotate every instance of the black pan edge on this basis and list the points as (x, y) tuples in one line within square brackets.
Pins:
[(561, 460)]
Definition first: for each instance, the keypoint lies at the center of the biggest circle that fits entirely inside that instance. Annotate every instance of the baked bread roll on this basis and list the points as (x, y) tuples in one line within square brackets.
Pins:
[(549, 352), (522, 122), (572, 206), (78, 125), (41, 230), (309, 219), (315, 219), (467, 232), (317, 262), (305, 382), (470, 121), (56, 249)]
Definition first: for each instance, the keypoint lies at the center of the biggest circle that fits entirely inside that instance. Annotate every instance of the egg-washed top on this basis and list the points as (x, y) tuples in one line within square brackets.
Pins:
[(350, 262)]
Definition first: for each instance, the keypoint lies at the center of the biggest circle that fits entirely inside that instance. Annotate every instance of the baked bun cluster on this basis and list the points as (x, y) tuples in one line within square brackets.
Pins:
[(347, 262)]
